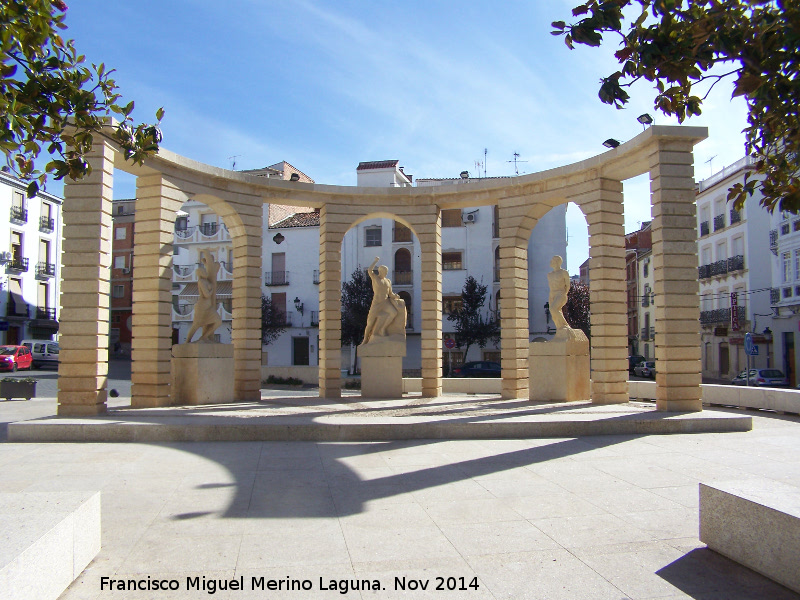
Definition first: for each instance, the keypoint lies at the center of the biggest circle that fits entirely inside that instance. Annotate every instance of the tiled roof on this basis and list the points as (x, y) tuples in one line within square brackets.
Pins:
[(302, 219), (377, 164)]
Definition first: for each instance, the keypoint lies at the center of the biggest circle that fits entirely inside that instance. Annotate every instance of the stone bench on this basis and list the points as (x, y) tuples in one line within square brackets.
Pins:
[(755, 523), (46, 540)]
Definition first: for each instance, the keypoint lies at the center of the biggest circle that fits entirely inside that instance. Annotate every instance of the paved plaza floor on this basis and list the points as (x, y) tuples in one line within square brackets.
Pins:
[(602, 517)]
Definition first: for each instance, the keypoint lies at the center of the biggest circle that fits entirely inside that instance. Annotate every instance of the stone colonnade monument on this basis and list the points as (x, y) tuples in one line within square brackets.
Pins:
[(164, 182)]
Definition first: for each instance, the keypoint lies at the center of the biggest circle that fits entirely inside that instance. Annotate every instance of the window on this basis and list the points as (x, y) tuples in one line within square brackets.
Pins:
[(797, 264), (451, 261), (119, 262), (646, 268), (118, 291), (451, 304), (120, 210), (451, 217), (786, 259), (372, 236), (120, 233), (181, 223)]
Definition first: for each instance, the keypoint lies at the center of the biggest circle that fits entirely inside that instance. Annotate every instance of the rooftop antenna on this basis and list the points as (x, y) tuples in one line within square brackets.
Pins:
[(515, 161), (485, 152), (710, 168), (233, 161)]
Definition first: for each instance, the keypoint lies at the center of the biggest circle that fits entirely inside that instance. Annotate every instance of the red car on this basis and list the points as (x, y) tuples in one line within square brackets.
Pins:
[(15, 357)]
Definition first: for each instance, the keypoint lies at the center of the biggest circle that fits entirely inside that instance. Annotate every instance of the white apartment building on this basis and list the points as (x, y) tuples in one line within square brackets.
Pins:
[(646, 303), (30, 249), (735, 273), (784, 244)]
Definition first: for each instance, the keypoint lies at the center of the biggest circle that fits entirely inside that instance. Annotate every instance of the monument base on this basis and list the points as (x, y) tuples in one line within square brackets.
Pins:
[(382, 367), (202, 373), (559, 368)]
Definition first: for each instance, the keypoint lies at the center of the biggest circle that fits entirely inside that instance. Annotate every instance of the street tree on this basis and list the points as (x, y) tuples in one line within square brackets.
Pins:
[(474, 326), (51, 103), (686, 47), (273, 321), (356, 300), (576, 310)]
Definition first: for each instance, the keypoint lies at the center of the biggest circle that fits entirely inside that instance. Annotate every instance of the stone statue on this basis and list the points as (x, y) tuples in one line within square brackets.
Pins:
[(205, 309), (387, 313), (559, 282)]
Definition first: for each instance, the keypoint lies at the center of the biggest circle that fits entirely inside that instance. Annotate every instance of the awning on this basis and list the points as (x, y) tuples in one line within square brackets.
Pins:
[(224, 290)]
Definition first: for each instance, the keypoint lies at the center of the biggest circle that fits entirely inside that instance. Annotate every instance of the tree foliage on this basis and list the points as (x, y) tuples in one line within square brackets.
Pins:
[(473, 327), (576, 310), (676, 44), (356, 300), (273, 321), (51, 102)]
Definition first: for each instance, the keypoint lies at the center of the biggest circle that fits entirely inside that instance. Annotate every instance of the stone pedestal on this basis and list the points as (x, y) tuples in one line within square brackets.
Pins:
[(202, 373), (382, 367), (559, 368)]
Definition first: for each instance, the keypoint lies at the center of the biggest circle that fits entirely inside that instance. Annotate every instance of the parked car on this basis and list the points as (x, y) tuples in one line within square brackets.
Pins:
[(762, 377), (634, 360), (478, 368), (645, 369), (15, 357), (44, 352)]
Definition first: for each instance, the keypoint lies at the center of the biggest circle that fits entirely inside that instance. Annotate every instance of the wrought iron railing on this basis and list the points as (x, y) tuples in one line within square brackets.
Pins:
[(773, 241), (736, 263), (704, 230), (315, 277), (17, 263), (209, 229), (45, 269), (719, 222), (314, 318), (721, 315), (19, 214), (276, 278), (45, 314), (46, 223), (774, 296), (736, 216), (403, 278)]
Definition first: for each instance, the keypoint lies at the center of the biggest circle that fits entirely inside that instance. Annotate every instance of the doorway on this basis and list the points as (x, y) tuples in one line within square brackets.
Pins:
[(300, 352), (788, 357)]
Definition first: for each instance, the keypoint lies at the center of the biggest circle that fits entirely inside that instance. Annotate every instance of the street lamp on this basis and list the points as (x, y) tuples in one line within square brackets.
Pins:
[(645, 120), (611, 143), (298, 305)]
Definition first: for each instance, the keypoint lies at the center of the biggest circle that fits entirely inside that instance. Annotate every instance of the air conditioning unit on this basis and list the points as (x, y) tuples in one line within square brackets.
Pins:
[(469, 217), (126, 270)]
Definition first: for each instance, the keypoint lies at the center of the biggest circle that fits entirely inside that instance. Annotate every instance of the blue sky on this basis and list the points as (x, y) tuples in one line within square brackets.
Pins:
[(325, 85)]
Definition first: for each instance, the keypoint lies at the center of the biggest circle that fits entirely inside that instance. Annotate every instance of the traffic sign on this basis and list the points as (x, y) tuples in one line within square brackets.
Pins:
[(449, 343), (753, 351), (748, 343)]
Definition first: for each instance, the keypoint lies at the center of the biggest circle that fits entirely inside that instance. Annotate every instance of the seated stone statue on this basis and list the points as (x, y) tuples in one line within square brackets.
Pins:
[(387, 313), (205, 309)]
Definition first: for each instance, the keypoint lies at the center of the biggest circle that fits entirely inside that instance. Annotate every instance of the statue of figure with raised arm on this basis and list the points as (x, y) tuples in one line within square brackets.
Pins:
[(205, 309), (387, 313), (559, 282)]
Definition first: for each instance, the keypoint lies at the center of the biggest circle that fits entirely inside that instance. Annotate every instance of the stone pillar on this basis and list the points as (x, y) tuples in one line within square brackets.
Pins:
[(157, 202), (429, 233), (514, 347), (247, 284), (86, 262), (603, 208), (331, 231), (676, 286)]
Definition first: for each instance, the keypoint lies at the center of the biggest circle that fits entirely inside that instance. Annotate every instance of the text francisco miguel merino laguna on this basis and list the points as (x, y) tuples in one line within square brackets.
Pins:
[(343, 586)]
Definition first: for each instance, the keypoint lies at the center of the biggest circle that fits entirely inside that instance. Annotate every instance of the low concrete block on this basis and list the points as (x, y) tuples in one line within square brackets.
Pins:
[(202, 373), (757, 524), (48, 539)]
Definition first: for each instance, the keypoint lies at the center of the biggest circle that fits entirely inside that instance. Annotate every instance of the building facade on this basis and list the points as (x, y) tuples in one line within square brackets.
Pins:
[(637, 245), (735, 274), (120, 328), (784, 244), (31, 267)]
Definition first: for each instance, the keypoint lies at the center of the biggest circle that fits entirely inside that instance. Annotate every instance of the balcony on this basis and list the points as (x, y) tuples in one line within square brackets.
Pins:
[(704, 228), (45, 314), (46, 224), (209, 229), (648, 333), (18, 264), (403, 278), (207, 232), (315, 278), (736, 263), (774, 296), (773, 241), (276, 278), (719, 222), (19, 214), (314, 318), (45, 270), (722, 316), (736, 216), (713, 269)]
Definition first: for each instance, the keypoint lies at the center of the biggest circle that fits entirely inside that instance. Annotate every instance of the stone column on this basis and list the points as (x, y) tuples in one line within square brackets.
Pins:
[(157, 202), (429, 233), (247, 285), (86, 262), (603, 208), (676, 286), (331, 231), (514, 344)]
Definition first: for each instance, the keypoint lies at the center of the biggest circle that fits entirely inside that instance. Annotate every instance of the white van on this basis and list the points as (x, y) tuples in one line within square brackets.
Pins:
[(45, 352)]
